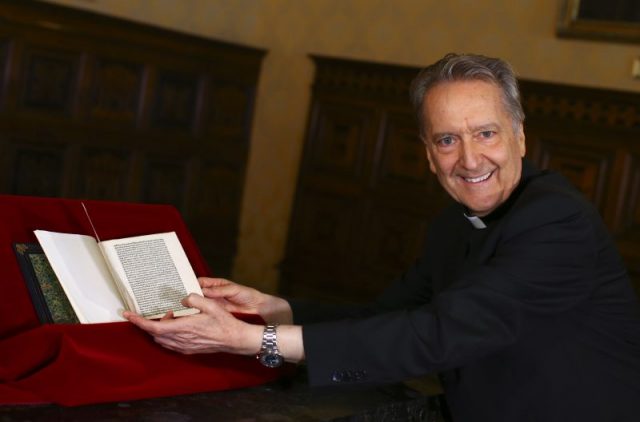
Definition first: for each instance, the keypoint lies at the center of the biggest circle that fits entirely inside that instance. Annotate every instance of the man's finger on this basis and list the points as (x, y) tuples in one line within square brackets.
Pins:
[(140, 321), (212, 282), (154, 328), (220, 291), (168, 315), (202, 304)]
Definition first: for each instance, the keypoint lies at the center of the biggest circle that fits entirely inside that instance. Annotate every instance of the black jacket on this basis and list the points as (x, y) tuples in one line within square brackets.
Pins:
[(532, 318)]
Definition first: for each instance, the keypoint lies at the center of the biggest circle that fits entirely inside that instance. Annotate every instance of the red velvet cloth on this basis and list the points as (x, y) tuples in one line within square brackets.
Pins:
[(74, 364)]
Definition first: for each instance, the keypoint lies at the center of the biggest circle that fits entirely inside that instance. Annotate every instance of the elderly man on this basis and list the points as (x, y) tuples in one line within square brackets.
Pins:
[(520, 301)]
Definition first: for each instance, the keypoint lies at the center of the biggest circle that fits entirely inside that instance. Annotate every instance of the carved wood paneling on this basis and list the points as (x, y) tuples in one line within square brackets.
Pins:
[(403, 154), (591, 136), (327, 225), (50, 79), (587, 167), (362, 150), (164, 182), (103, 174), (581, 105), (392, 241), (401, 170), (628, 227), (102, 108), (218, 196), (115, 91), (339, 136), (230, 106), (215, 200), (360, 209), (37, 170), (174, 100)]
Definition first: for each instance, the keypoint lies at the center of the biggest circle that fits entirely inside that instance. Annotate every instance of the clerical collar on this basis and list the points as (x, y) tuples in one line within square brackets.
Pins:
[(475, 221)]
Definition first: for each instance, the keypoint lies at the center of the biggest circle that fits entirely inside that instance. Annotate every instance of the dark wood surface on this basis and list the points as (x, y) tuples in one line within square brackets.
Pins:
[(289, 399), (365, 194), (103, 108)]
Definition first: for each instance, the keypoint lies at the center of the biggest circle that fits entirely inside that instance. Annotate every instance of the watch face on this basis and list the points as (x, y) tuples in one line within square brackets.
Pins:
[(270, 359)]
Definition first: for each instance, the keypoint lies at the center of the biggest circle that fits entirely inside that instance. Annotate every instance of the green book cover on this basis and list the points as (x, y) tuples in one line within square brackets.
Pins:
[(47, 295)]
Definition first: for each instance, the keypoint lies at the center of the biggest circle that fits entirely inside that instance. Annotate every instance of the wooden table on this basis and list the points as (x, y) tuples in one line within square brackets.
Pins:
[(289, 399)]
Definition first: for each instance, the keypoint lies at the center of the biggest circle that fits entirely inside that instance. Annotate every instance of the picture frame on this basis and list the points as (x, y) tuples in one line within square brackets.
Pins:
[(612, 21)]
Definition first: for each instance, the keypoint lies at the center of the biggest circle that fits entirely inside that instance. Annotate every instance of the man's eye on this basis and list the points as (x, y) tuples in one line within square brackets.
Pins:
[(487, 134), (446, 141)]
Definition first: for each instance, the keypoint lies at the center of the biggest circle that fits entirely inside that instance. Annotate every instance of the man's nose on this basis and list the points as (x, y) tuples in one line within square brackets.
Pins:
[(469, 154)]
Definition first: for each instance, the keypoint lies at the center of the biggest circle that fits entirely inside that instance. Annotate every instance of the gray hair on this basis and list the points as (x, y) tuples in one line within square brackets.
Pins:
[(468, 67)]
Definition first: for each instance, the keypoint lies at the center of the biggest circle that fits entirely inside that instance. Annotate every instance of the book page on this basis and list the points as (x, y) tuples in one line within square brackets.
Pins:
[(155, 271), (80, 267)]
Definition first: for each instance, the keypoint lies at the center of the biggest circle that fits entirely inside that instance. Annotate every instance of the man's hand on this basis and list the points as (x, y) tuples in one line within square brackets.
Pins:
[(214, 329), (234, 297)]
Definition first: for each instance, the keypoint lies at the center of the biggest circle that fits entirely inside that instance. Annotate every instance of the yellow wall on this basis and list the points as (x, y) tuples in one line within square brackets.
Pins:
[(411, 32)]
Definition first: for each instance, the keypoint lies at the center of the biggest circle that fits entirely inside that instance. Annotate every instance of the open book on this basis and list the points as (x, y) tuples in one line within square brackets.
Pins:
[(147, 274)]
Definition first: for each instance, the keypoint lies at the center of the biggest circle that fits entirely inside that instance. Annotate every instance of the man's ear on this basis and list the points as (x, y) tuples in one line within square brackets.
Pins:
[(520, 138), (429, 158)]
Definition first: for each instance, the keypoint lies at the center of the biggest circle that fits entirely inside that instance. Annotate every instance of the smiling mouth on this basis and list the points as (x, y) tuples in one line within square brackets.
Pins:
[(478, 179)]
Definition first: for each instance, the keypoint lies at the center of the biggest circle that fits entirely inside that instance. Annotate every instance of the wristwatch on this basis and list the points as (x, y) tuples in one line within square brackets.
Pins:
[(269, 354)]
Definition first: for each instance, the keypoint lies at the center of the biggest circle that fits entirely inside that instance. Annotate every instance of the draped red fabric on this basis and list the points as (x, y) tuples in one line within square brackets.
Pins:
[(74, 364)]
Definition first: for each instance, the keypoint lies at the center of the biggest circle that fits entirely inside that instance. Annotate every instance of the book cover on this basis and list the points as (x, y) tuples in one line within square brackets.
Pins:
[(47, 295)]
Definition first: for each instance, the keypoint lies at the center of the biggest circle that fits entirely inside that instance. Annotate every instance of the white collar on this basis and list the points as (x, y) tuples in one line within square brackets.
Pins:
[(475, 221)]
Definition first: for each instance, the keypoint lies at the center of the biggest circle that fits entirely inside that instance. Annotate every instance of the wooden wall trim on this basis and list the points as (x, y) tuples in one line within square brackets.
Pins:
[(606, 108), (376, 80)]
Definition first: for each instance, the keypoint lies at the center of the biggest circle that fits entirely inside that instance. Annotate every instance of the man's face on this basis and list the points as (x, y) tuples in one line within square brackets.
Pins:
[(471, 143)]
